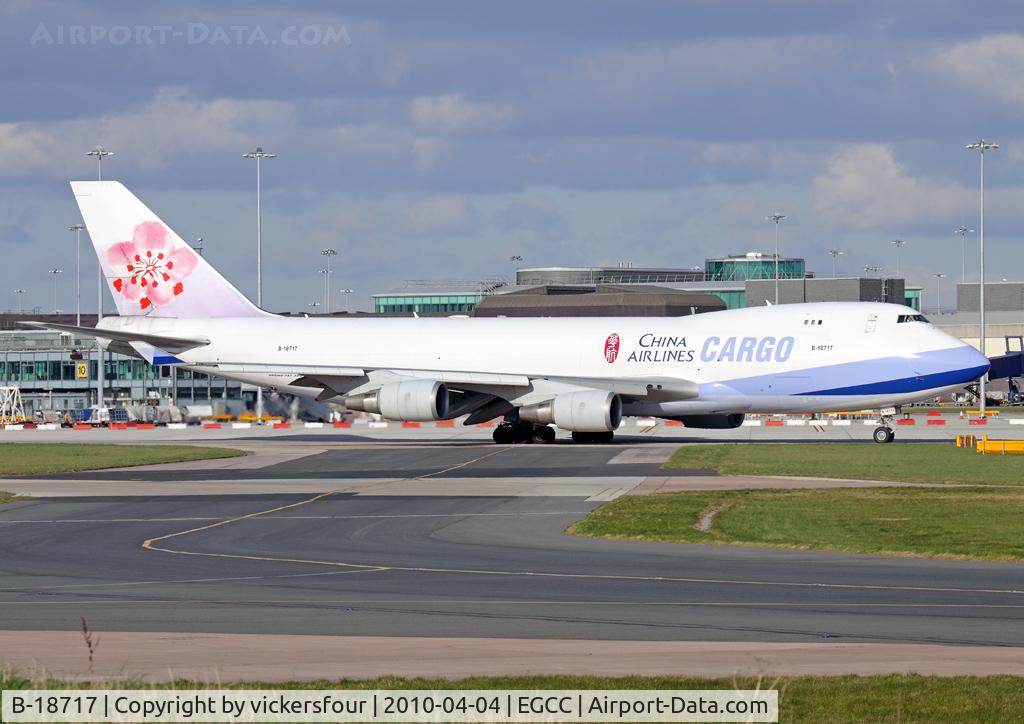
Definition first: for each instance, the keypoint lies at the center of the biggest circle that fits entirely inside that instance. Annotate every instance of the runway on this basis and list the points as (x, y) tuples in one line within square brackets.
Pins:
[(446, 541)]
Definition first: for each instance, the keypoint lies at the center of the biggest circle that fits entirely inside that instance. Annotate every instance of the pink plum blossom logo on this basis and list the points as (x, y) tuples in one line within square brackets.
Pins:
[(149, 269)]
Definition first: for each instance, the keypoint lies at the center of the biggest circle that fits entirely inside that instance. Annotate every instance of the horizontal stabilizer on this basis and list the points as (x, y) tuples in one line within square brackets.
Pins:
[(169, 344)]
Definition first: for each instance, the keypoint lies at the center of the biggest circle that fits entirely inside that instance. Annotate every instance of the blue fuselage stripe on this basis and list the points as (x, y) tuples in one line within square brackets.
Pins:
[(879, 376), (907, 384)]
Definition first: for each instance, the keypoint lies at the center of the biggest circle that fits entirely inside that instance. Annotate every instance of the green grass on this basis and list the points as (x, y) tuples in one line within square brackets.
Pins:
[(33, 458), (837, 700), (974, 523), (912, 463)]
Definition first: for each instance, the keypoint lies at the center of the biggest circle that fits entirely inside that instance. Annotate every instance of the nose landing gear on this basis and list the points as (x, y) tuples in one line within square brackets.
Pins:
[(884, 433)]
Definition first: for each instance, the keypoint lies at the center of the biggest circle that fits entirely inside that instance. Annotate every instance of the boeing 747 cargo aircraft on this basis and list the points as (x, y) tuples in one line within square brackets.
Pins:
[(582, 375)]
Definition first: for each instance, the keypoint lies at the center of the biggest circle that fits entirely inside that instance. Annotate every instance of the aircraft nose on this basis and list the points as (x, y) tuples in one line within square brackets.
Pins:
[(977, 359)]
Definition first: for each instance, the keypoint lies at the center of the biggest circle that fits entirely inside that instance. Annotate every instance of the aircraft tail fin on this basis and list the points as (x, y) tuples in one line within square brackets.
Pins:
[(151, 271)]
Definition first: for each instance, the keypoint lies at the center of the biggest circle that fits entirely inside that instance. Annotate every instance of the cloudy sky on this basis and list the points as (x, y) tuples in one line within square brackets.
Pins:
[(435, 140)]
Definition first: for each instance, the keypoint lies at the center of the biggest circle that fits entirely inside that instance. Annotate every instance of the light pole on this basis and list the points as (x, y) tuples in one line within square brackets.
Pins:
[(963, 231), (198, 246), (326, 274), (938, 292), (872, 269), (835, 254), (346, 292), (259, 154), (54, 273), (776, 217), (981, 146), (21, 307), (313, 306), (327, 278), (77, 228), (99, 152), (898, 243)]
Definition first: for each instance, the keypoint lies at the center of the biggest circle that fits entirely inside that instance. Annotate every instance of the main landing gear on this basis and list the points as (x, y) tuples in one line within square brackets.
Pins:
[(510, 433), (598, 438)]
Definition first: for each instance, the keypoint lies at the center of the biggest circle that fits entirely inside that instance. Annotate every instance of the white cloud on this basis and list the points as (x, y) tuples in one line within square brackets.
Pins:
[(23, 151), (176, 123), (173, 124), (438, 214), (453, 114), (865, 187), (993, 64)]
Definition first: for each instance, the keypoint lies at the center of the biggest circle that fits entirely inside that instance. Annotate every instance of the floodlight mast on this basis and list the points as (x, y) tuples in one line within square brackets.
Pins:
[(54, 273), (776, 217), (835, 254), (99, 153), (899, 244), (327, 278), (981, 146), (346, 292), (938, 291), (78, 228), (963, 231), (259, 154)]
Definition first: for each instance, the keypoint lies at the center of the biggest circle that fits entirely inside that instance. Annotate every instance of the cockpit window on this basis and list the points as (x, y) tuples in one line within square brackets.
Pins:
[(911, 318)]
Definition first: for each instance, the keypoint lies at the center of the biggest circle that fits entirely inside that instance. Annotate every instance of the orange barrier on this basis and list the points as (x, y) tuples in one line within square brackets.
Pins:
[(410, 423), (81, 426), (445, 423), (282, 425), (341, 424), (999, 447), (673, 423), (907, 422), (774, 423), (936, 422), (979, 421), (211, 425)]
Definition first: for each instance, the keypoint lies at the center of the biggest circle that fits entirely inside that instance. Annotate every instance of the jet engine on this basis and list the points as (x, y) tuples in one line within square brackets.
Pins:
[(410, 400), (583, 411), (712, 422)]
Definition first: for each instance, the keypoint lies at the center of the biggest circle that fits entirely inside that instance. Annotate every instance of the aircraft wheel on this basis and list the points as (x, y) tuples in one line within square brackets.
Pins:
[(597, 438), (504, 434), (883, 434), (544, 434)]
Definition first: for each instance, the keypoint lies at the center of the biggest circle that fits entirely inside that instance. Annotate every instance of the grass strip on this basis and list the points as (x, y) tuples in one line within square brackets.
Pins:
[(967, 523), (38, 458), (911, 463)]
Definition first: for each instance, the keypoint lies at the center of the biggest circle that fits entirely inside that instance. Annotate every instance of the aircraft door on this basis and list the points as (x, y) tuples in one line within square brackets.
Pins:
[(871, 323)]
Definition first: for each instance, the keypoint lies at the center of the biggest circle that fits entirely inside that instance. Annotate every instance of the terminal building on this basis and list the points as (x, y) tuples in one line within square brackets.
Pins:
[(57, 373), (740, 280)]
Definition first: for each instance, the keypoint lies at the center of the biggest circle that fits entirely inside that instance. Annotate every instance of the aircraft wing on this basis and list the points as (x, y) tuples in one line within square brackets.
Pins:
[(170, 344), (342, 380)]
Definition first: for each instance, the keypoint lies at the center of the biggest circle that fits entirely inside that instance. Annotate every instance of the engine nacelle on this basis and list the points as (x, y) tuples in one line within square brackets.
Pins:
[(712, 422), (583, 411), (411, 400)]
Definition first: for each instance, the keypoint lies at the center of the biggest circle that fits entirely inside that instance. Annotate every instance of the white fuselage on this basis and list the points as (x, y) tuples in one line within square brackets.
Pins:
[(795, 357)]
